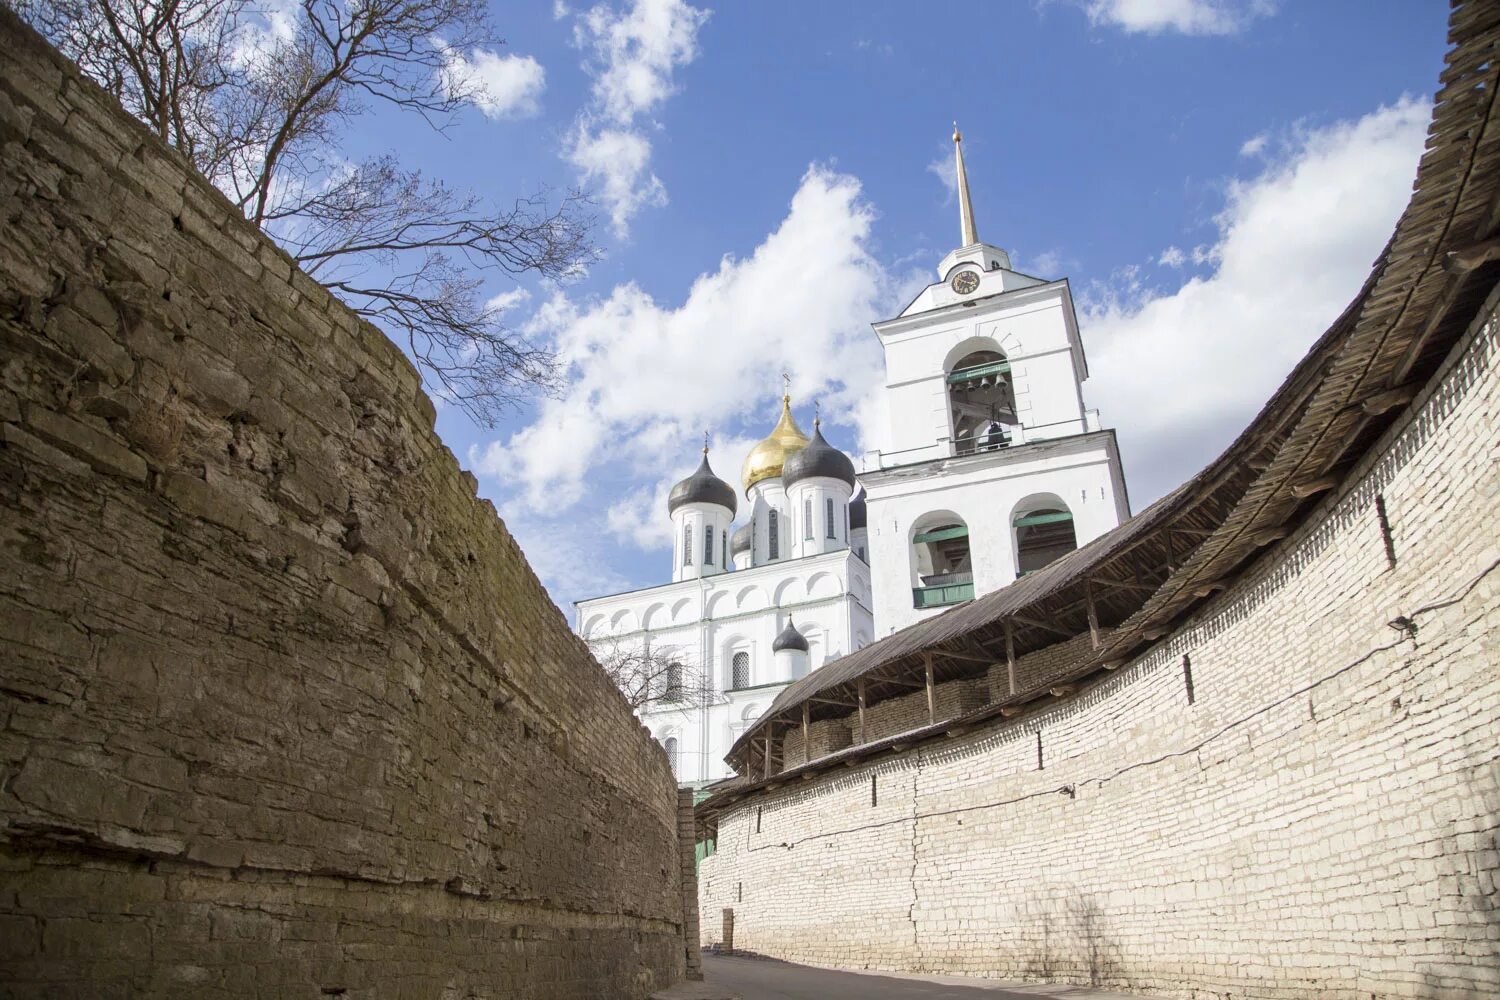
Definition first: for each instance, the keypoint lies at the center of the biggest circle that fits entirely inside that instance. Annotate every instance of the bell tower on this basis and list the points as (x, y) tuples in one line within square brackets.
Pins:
[(993, 466)]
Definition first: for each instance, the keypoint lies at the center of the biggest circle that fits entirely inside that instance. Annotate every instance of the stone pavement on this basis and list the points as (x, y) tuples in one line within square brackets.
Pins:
[(768, 979)]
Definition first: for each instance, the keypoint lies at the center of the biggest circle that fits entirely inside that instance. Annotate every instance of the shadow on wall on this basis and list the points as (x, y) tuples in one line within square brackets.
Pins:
[(1061, 936), (1479, 883)]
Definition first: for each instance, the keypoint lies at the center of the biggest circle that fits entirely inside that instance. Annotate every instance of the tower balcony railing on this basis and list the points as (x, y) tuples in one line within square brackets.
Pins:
[(939, 595)]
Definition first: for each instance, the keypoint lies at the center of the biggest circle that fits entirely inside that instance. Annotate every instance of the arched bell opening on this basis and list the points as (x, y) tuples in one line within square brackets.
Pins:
[(1043, 532), (981, 402), (942, 571)]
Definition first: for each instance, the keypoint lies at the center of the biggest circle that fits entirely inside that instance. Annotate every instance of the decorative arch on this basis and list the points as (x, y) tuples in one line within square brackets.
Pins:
[(751, 598), (655, 616), (718, 603), (941, 568), (967, 346), (1042, 531), (789, 591), (624, 620), (681, 609), (593, 626), (822, 584)]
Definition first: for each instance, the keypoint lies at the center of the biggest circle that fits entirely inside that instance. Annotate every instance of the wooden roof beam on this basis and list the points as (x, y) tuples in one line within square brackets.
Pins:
[(1038, 623), (1389, 400), (1105, 581)]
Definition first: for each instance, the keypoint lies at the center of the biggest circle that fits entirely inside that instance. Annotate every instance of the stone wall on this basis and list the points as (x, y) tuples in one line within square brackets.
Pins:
[(283, 710), (1287, 797)]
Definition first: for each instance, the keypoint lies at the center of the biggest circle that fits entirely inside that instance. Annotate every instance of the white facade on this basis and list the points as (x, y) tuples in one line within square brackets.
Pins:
[(1056, 456), (994, 467), (708, 622)]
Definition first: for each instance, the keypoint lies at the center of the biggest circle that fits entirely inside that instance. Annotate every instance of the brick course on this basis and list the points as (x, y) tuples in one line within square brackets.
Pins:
[(282, 707), (1286, 797)]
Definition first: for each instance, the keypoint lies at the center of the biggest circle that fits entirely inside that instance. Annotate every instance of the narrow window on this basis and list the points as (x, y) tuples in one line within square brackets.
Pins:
[(740, 671), (687, 544), (774, 531), (670, 745), (1039, 764), (829, 521), (724, 549), (674, 682), (1187, 677), (874, 793), (758, 811), (708, 545), (807, 525), (1385, 531)]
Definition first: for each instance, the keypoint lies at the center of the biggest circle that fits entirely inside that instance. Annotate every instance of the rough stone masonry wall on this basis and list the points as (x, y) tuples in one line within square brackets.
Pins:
[(1287, 797), (283, 710)]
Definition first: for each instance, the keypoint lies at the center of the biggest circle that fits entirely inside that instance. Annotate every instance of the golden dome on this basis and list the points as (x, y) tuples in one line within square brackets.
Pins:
[(766, 459)]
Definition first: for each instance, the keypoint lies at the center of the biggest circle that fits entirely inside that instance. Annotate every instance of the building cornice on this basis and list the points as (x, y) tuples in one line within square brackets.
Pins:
[(1015, 454)]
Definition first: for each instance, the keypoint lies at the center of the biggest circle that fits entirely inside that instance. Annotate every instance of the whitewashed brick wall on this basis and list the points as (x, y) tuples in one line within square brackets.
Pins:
[(1319, 821)]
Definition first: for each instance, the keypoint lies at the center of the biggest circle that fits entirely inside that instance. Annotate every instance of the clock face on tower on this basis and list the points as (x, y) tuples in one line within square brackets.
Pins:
[(965, 282)]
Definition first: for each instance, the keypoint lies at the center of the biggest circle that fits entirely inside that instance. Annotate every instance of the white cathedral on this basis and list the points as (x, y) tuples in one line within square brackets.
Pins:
[(994, 469)]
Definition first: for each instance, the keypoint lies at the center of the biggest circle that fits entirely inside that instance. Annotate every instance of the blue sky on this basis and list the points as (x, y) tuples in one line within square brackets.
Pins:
[(1213, 176)]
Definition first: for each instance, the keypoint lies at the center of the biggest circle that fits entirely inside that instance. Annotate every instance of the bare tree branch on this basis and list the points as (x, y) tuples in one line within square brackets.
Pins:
[(653, 679), (259, 102)]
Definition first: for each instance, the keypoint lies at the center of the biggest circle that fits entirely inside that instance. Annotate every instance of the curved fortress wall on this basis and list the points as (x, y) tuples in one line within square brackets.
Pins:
[(282, 707), (1297, 793)]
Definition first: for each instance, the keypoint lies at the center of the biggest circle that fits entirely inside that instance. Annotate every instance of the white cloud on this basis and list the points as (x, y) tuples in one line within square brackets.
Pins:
[(1172, 257), (1189, 17), (1255, 145), (632, 55), (508, 300), (1181, 373), (648, 378), (943, 169), (564, 559), (618, 162), (1048, 264), (504, 86)]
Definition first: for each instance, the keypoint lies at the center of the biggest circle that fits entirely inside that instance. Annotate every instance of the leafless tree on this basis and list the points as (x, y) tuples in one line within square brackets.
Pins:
[(258, 98), (652, 678)]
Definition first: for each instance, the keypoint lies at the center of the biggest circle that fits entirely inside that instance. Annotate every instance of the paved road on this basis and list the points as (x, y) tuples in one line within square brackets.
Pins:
[(767, 979)]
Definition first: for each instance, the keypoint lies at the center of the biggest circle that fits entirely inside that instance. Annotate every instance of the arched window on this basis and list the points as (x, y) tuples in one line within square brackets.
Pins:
[(981, 402), (670, 745), (724, 549), (828, 519), (941, 570), (687, 544), (673, 690), (807, 525), (774, 531), (708, 545), (1043, 530), (739, 672)]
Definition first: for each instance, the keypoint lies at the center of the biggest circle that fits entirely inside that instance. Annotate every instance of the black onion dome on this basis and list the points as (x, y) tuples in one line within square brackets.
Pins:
[(789, 638), (857, 511), (742, 539), (819, 458), (702, 487)]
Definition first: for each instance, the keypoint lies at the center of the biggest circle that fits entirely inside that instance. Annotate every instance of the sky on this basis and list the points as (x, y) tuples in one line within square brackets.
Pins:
[(1214, 178)]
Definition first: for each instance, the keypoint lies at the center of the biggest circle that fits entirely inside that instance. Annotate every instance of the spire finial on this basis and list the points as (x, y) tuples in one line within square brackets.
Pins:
[(970, 232), (786, 386), (817, 414), (705, 443)]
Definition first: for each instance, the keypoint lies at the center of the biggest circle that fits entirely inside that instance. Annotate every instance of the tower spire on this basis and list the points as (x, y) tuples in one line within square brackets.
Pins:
[(965, 206)]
